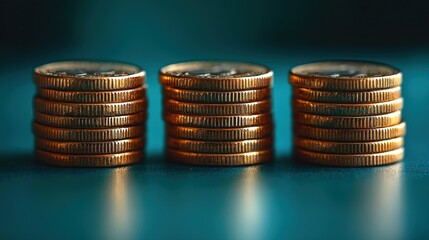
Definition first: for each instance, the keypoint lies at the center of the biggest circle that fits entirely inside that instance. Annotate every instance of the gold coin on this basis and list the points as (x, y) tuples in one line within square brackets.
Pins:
[(87, 135), (350, 135), (348, 109), (237, 159), (345, 76), (92, 96), (88, 76), (347, 97), (349, 147), (220, 134), (104, 160), (90, 122), (89, 109), (217, 97), (377, 121), (116, 146), (220, 147), (216, 76), (218, 121), (351, 160), (252, 108)]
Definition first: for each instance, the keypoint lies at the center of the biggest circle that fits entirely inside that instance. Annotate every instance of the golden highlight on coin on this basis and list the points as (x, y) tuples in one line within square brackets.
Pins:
[(377, 96), (204, 159), (105, 147), (92, 160), (376, 121), (218, 121), (89, 109), (90, 122), (186, 95), (349, 147), (209, 109), (219, 134), (87, 135), (93, 96), (88, 76), (345, 76), (351, 160), (338, 109), (350, 135), (216, 76), (220, 147)]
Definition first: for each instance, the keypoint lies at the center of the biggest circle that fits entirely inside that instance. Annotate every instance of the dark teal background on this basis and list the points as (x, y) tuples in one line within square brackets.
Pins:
[(159, 200)]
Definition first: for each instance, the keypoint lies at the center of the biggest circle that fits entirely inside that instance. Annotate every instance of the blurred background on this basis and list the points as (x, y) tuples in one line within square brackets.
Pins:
[(29, 27), (157, 200)]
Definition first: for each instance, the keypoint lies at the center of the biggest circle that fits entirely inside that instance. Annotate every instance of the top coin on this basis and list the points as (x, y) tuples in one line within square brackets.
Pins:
[(88, 76), (345, 76), (216, 76)]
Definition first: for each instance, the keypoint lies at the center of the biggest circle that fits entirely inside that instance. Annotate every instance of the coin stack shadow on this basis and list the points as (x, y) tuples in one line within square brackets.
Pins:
[(347, 113), (217, 113), (89, 114)]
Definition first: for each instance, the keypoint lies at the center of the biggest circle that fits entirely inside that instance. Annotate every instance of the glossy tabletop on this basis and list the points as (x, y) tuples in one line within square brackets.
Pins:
[(159, 200)]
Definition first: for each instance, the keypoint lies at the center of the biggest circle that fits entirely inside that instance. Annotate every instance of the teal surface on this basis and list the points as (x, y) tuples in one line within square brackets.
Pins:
[(159, 200)]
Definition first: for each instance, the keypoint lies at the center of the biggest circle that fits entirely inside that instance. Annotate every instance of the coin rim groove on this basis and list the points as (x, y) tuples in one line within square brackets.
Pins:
[(88, 83), (102, 160), (202, 159), (218, 121), (252, 108), (102, 147), (219, 134), (87, 135), (345, 83), (225, 147), (313, 145), (89, 109), (216, 83), (244, 96), (376, 96), (114, 96), (90, 122), (376, 121), (351, 135), (338, 109), (345, 160)]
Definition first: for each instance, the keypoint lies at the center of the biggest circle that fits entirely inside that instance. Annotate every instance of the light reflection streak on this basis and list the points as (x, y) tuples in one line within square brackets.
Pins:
[(248, 208), (383, 219), (388, 211), (119, 218)]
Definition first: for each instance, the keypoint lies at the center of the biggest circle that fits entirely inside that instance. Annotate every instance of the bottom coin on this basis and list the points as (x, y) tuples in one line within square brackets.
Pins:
[(104, 160), (239, 159), (350, 160)]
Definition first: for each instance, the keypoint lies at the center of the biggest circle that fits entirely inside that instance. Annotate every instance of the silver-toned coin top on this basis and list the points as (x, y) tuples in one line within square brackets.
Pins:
[(214, 69), (345, 69), (86, 69)]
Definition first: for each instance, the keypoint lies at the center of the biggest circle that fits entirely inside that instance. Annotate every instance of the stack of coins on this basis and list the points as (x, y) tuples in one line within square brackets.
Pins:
[(89, 114), (347, 113), (218, 113)]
